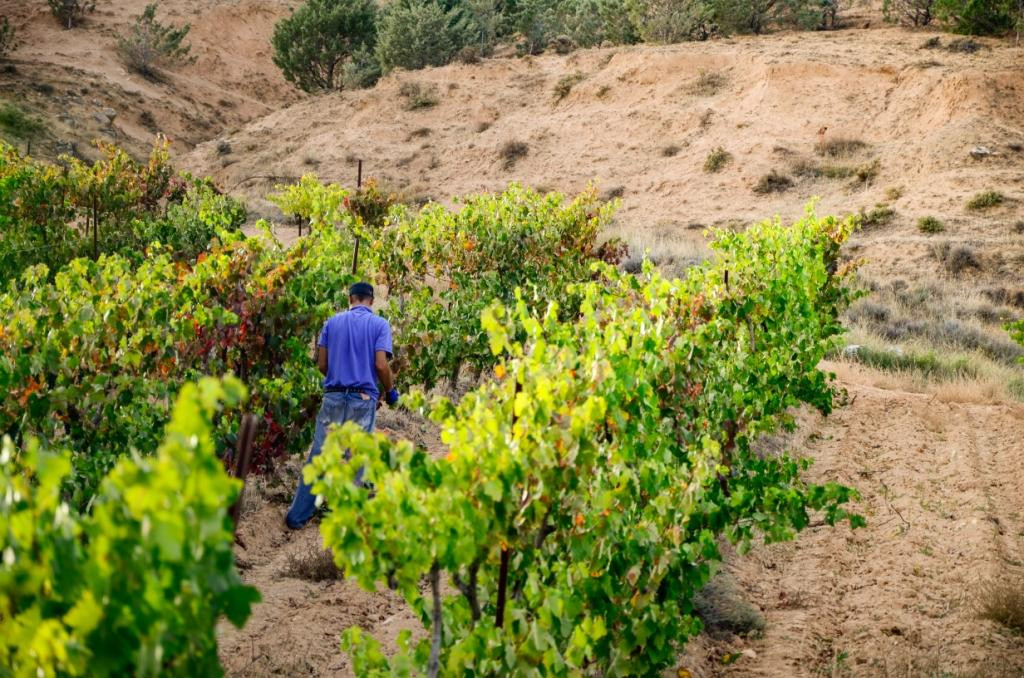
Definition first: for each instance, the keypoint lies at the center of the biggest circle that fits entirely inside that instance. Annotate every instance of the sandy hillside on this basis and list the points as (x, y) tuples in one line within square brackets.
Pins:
[(941, 490), (642, 121), (74, 79)]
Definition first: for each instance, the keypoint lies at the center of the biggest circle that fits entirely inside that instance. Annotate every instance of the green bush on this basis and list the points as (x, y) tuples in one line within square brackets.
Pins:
[(717, 159), (930, 225), (313, 46), (149, 44), (978, 17), (415, 34), (17, 124), (138, 586), (70, 12), (6, 36), (669, 21), (909, 12), (986, 200)]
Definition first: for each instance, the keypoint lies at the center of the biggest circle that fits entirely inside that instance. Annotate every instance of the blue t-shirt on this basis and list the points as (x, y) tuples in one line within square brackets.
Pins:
[(352, 339)]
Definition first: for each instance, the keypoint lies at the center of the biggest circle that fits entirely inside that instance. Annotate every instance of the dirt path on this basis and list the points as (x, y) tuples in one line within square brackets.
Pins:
[(942, 490), (943, 494)]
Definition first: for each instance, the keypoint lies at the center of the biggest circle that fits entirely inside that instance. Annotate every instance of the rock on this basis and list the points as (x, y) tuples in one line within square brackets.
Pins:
[(101, 119), (851, 351), (979, 152), (110, 113)]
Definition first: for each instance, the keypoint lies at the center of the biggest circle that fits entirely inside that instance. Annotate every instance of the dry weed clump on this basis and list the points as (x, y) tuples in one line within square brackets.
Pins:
[(773, 182), (511, 152), (707, 83), (565, 85), (670, 151), (1002, 601), (717, 159), (418, 96), (312, 564), (957, 259), (723, 610), (839, 147)]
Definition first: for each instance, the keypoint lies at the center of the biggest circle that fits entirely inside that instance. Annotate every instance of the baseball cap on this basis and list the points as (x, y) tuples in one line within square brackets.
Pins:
[(361, 289)]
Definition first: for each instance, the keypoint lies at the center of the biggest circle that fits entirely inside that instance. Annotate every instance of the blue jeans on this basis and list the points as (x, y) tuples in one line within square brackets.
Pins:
[(337, 408)]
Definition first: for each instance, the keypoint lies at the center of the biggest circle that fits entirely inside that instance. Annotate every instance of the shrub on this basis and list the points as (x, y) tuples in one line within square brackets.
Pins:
[(986, 200), (977, 17), (867, 172), (956, 259), (881, 215), (562, 44), (930, 225), (71, 12), (566, 83), (512, 152), (717, 159), (911, 13), (414, 34), (314, 44), (18, 124), (756, 16), (361, 71), (485, 20), (6, 37), (839, 147), (418, 95), (669, 21), (773, 182), (670, 151), (150, 44)]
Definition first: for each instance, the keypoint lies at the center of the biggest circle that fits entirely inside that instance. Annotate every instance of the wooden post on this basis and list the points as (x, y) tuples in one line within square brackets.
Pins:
[(243, 456), (359, 186)]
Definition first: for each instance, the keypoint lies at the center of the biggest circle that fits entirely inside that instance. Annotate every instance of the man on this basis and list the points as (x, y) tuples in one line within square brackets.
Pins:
[(352, 354)]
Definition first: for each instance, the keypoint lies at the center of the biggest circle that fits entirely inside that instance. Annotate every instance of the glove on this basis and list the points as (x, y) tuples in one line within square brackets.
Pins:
[(392, 397)]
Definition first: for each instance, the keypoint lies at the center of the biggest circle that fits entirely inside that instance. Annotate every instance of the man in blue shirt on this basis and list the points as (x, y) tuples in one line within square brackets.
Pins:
[(352, 354)]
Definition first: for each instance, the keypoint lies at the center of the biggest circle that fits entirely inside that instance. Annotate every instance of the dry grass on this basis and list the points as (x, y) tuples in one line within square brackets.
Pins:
[(312, 564), (839, 147), (773, 182), (707, 83), (936, 337), (418, 96), (512, 152), (669, 251), (1002, 601)]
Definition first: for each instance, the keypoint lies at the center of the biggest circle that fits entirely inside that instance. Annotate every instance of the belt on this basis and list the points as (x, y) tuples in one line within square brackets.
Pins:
[(343, 389)]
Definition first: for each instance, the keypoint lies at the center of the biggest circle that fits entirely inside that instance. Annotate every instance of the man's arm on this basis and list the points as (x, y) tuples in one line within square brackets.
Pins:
[(380, 361), (321, 359)]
